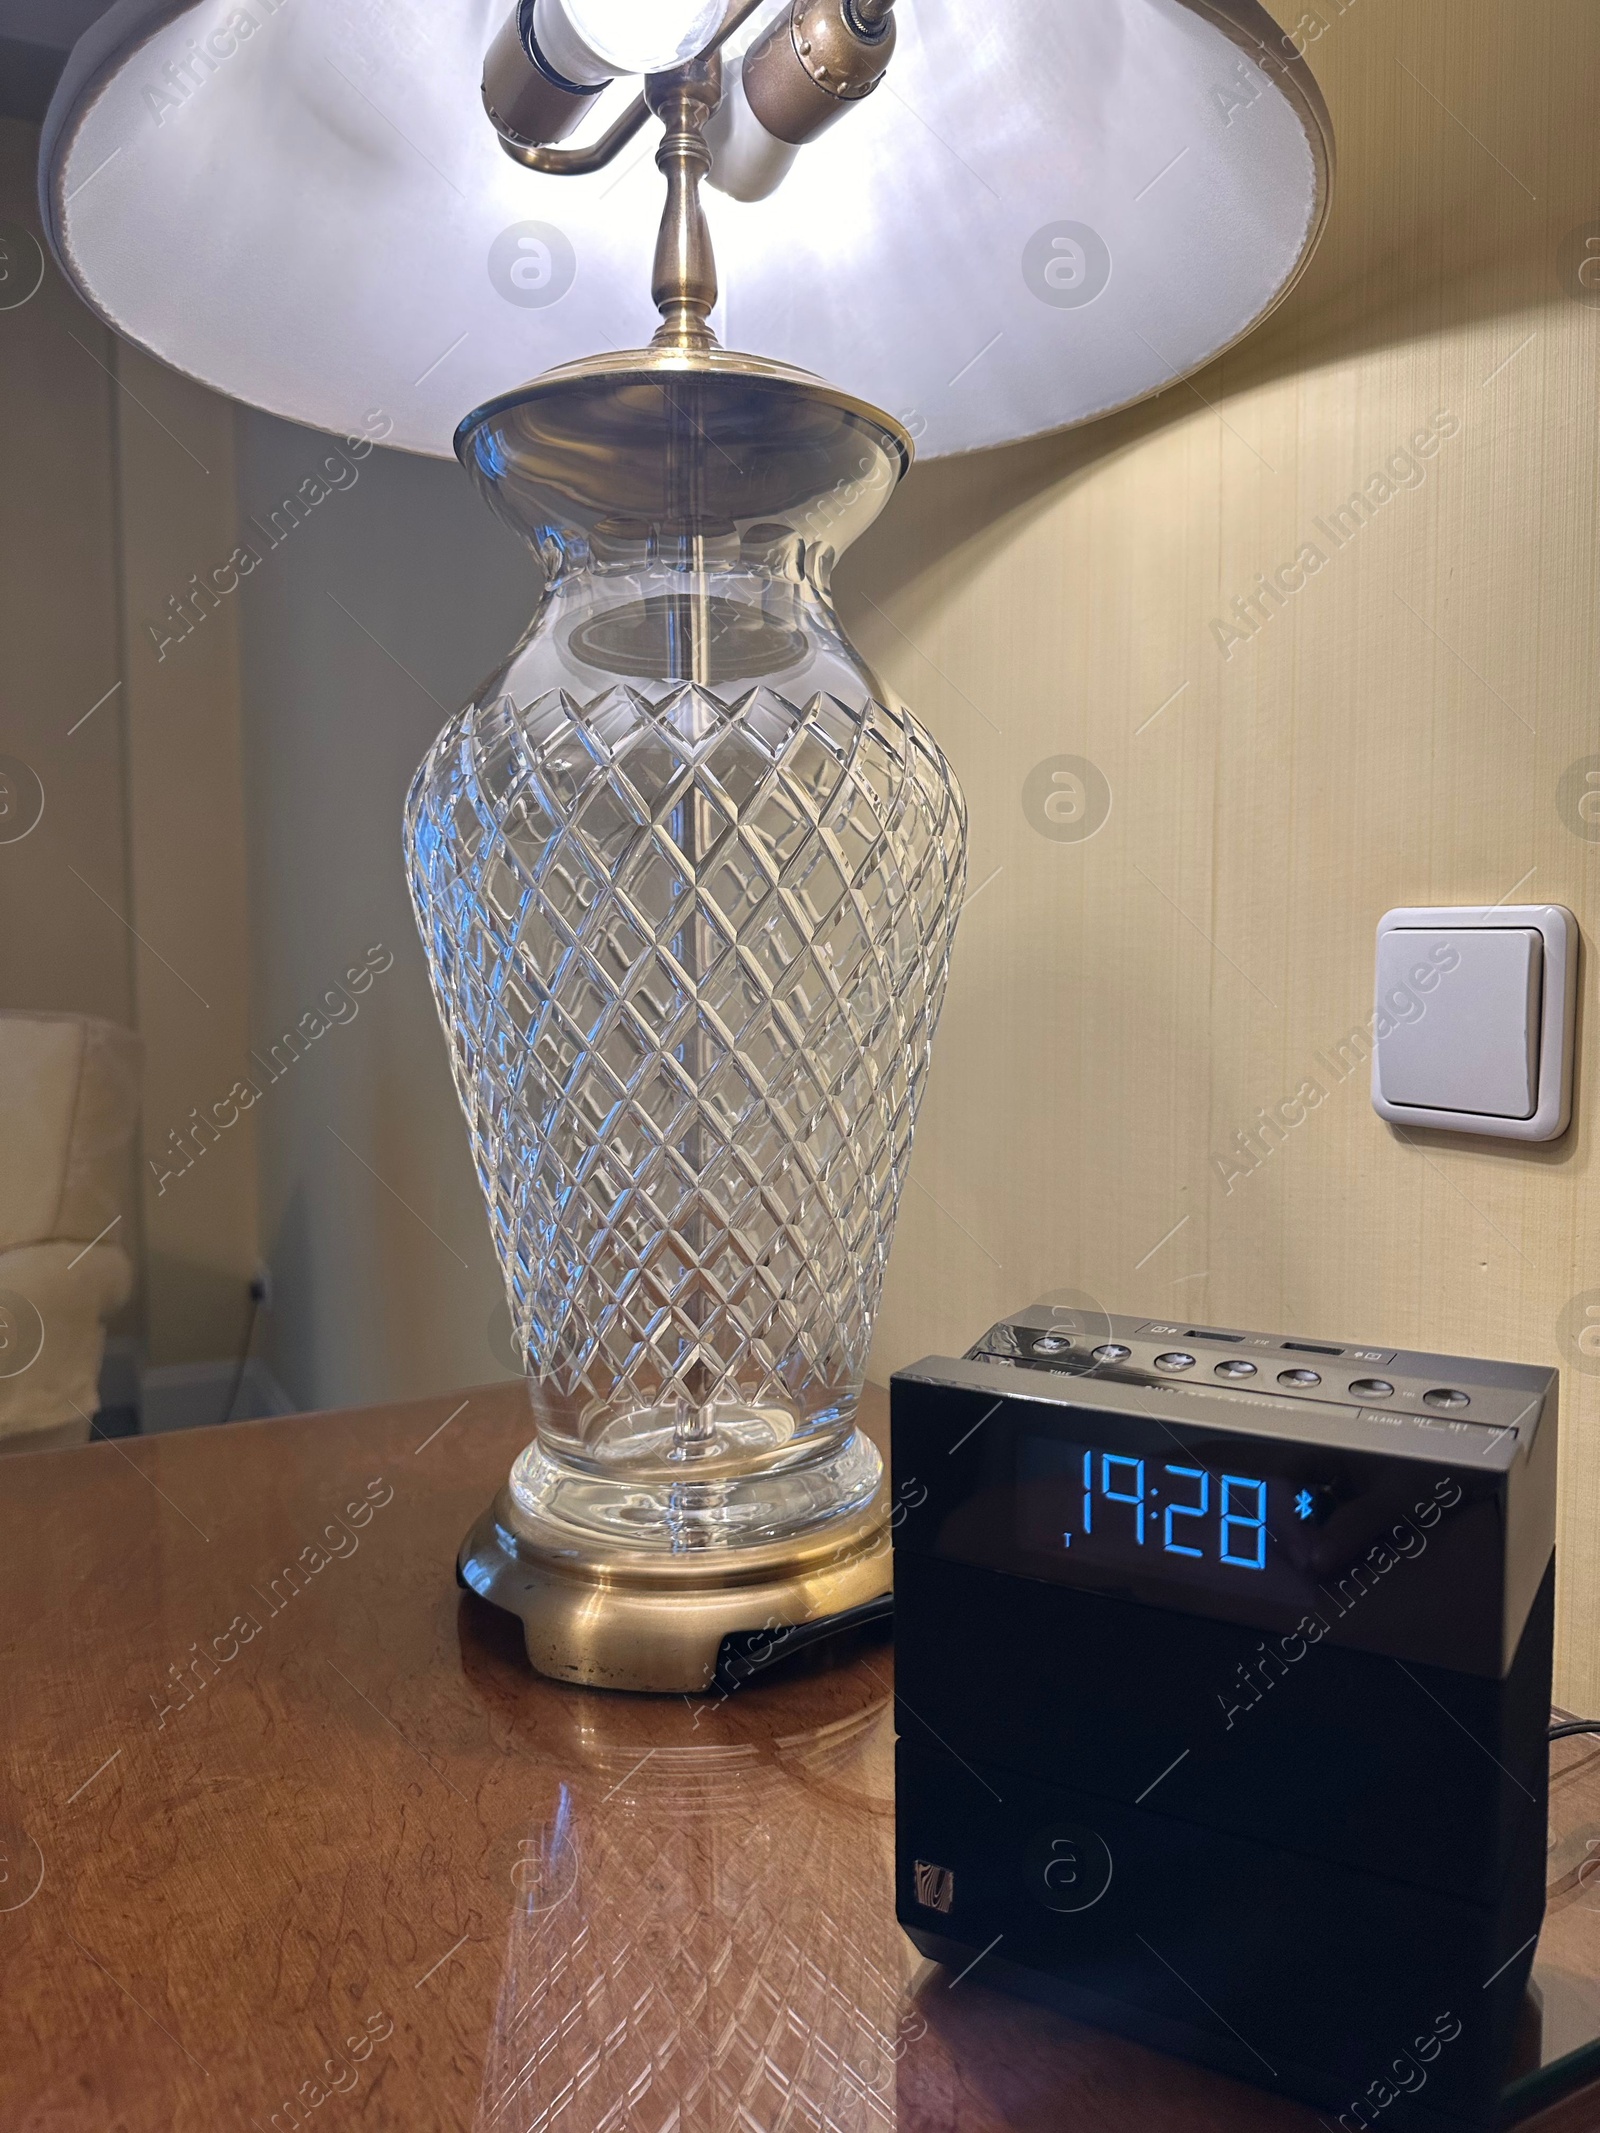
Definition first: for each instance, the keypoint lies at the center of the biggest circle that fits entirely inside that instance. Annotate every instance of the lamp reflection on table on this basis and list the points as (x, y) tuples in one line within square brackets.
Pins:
[(699, 1934), (702, 1930)]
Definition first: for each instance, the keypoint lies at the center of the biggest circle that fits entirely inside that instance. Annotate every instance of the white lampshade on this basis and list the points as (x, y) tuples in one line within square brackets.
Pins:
[(1049, 209)]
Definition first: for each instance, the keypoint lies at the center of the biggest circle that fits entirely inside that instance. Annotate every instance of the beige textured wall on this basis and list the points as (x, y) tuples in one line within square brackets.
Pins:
[(128, 899), (179, 514), (64, 943), (387, 605), (1122, 1006), (59, 650)]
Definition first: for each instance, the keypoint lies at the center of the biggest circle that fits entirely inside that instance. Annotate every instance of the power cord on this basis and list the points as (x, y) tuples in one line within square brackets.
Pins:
[(258, 1296), (1575, 1725)]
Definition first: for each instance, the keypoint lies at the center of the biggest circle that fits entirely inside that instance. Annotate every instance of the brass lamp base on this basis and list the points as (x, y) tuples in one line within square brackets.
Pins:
[(620, 1619)]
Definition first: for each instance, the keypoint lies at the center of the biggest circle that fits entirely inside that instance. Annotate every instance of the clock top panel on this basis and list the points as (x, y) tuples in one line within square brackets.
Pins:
[(1357, 1394)]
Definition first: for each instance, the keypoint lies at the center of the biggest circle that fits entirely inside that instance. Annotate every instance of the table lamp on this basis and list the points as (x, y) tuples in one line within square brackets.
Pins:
[(687, 871)]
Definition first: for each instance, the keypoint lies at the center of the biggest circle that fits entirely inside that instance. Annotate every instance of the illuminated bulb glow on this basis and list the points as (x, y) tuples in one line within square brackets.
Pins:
[(590, 41)]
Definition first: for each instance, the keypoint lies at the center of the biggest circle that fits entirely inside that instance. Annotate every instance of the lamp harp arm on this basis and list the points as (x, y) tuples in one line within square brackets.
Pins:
[(578, 162)]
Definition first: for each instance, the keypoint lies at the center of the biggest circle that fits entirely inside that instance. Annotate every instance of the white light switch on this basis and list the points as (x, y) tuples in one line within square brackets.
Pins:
[(1464, 1005), (1472, 1028)]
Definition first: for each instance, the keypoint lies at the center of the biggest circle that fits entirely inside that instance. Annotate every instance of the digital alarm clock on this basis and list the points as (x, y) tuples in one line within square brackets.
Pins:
[(1223, 1672)]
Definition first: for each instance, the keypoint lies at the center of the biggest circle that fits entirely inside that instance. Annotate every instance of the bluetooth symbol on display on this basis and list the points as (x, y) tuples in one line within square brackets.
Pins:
[(1302, 1504)]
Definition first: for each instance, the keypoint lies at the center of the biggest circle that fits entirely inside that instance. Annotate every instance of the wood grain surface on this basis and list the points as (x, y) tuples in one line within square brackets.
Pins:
[(290, 1837)]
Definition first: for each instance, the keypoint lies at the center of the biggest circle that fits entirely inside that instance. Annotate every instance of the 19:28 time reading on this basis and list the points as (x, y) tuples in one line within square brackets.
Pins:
[(1180, 1513)]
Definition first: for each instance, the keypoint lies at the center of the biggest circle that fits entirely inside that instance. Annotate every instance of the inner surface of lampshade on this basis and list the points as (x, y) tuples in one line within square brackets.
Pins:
[(1049, 209)]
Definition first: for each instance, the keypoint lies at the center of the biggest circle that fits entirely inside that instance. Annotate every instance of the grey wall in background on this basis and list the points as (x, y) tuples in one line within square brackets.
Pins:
[(35, 38), (56, 23), (363, 629)]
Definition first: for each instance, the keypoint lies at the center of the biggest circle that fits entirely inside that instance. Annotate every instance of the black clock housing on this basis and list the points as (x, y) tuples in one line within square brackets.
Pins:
[(1223, 1668)]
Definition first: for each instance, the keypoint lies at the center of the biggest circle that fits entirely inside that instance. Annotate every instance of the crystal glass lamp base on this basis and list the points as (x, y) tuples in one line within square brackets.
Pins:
[(687, 875), (604, 1615), (681, 1508)]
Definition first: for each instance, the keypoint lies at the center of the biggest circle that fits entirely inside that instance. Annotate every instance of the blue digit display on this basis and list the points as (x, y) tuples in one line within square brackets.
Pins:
[(1189, 1510), (1108, 1494), (1253, 1523), (1123, 1511)]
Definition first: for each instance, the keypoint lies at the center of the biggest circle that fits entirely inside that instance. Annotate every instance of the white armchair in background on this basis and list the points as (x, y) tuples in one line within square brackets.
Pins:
[(69, 1104)]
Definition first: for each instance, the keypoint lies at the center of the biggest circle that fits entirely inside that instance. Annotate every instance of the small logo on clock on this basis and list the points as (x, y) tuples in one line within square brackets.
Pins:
[(1303, 1505), (936, 1886)]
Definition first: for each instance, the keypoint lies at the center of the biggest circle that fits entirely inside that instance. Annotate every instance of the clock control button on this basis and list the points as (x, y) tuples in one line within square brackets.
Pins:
[(1067, 1868), (1299, 1377), (1371, 1388), (1236, 1367), (1446, 1396), (1112, 1352), (1174, 1359), (1051, 1344)]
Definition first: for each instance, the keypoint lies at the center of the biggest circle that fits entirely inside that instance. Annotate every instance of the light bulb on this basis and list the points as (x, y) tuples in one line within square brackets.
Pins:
[(747, 162), (801, 75), (589, 41)]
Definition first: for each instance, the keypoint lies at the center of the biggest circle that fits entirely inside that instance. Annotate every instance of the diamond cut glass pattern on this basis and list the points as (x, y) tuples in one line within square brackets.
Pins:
[(706, 1945), (688, 933)]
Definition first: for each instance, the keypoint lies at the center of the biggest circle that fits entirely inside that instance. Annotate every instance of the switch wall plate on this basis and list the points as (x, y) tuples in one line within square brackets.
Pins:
[(1474, 1019)]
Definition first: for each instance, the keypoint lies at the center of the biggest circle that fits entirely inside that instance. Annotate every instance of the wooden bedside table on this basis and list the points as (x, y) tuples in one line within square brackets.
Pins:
[(292, 1837)]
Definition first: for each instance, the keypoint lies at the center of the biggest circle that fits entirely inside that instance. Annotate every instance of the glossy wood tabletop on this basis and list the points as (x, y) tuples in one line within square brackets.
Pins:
[(291, 1837)]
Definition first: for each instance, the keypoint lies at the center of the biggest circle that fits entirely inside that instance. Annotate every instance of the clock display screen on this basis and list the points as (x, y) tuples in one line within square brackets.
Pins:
[(1166, 1515), (1242, 1524)]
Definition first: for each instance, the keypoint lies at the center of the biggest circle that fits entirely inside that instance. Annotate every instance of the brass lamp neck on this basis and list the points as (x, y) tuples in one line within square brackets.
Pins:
[(684, 284)]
